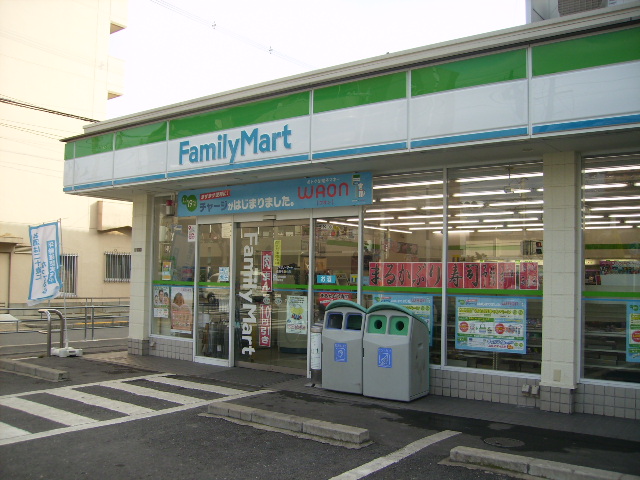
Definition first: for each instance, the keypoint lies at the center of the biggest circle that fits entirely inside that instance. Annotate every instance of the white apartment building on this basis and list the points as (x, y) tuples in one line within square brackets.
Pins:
[(56, 76)]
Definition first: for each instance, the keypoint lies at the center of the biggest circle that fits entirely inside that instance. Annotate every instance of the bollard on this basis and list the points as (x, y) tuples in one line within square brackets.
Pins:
[(316, 354)]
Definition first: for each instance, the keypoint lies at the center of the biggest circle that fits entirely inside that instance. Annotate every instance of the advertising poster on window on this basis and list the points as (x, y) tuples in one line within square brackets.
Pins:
[(296, 315), (267, 270), (325, 298), (507, 276), (181, 309), (45, 268), (264, 329), (491, 324), (420, 305), (160, 301), (633, 332), (529, 276)]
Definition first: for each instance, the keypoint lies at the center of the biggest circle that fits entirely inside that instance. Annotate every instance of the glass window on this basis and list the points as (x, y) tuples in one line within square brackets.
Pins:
[(117, 267), (336, 262), (611, 218), (173, 274), (494, 267), (402, 251)]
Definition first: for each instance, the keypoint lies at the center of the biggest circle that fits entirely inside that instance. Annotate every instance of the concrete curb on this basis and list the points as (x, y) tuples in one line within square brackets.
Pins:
[(533, 466), (87, 346), (314, 428), (30, 369)]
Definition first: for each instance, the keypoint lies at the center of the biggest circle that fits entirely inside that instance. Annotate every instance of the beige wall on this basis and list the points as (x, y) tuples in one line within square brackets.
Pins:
[(55, 55)]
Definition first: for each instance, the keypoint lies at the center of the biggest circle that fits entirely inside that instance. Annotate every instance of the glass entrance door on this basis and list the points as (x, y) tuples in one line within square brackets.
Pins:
[(212, 322), (272, 276)]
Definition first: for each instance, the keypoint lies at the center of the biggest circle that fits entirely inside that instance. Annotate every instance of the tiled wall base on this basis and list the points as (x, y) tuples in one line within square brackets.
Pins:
[(622, 402), (608, 401), (486, 387), (137, 347), (169, 348)]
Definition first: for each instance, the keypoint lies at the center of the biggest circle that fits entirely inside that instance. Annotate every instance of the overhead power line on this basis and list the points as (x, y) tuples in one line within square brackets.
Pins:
[(214, 26), (46, 110)]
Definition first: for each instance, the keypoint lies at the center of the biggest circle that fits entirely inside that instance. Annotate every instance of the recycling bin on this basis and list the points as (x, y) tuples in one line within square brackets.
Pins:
[(396, 353), (342, 346)]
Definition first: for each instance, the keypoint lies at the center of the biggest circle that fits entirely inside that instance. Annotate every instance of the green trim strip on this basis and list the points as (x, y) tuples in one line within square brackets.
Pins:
[(587, 52), (594, 294), (69, 150), (94, 145), (296, 105), (213, 284), (143, 135), (360, 92), (170, 282), (499, 67), (321, 288), (612, 246)]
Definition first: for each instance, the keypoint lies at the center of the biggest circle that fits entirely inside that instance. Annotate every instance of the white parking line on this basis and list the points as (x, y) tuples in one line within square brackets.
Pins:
[(7, 431), (97, 401), (382, 462), (45, 411), (195, 385), (150, 392)]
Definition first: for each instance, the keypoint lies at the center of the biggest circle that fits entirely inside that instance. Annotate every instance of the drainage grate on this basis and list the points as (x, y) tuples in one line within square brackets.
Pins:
[(503, 442)]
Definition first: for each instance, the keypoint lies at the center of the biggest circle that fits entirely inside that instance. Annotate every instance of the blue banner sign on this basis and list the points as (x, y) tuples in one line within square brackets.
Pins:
[(45, 273), (318, 192)]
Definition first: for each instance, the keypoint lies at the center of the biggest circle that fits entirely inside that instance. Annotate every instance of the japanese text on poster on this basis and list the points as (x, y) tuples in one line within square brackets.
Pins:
[(491, 324), (181, 309), (296, 314)]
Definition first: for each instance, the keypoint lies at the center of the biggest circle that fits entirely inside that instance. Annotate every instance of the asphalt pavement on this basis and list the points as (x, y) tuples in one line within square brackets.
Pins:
[(502, 433)]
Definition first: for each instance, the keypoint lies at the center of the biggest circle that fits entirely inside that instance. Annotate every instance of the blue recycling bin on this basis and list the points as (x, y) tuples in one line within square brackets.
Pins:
[(396, 354), (342, 346)]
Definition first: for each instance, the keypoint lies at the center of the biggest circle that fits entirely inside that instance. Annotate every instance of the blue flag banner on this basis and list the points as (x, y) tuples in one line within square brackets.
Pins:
[(45, 274)]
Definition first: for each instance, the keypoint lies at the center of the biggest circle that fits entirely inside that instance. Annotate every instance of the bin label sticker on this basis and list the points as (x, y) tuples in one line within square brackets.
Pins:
[(385, 357), (340, 352)]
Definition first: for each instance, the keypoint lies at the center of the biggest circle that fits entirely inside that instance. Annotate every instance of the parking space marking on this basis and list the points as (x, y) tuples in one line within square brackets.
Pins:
[(383, 462), (7, 431), (45, 411), (205, 387), (97, 401)]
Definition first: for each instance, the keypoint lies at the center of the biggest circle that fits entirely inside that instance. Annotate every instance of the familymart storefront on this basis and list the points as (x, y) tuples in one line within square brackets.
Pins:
[(490, 184)]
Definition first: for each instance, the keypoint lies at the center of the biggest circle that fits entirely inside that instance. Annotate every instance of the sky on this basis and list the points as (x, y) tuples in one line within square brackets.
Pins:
[(177, 50)]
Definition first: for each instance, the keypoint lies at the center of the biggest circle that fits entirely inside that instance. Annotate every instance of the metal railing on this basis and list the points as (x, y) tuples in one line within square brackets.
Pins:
[(79, 314)]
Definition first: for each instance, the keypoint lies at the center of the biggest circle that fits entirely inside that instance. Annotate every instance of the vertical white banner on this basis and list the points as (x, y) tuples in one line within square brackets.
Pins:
[(45, 274)]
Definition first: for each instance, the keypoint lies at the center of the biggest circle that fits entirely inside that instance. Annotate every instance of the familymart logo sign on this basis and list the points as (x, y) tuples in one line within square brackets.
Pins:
[(229, 147)]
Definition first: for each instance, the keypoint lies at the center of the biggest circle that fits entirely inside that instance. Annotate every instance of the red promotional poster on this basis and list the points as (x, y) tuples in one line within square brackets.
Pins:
[(529, 276), (267, 270), (507, 276), (419, 274), (264, 329), (374, 274), (404, 274), (489, 275), (455, 275), (434, 274), (472, 275), (325, 298), (389, 274)]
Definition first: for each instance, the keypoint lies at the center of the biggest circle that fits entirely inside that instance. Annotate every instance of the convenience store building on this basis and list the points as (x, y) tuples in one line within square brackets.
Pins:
[(491, 184)]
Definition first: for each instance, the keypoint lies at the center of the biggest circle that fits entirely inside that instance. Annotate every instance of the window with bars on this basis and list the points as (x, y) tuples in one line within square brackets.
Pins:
[(69, 274), (117, 267)]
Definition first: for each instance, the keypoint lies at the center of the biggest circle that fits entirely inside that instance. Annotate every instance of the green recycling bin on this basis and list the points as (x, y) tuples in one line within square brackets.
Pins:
[(396, 354), (342, 346)]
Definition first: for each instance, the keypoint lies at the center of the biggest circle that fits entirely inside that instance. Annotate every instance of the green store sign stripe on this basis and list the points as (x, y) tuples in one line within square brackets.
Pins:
[(360, 92), (291, 106), (587, 52), (471, 72), (94, 145), (143, 135)]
